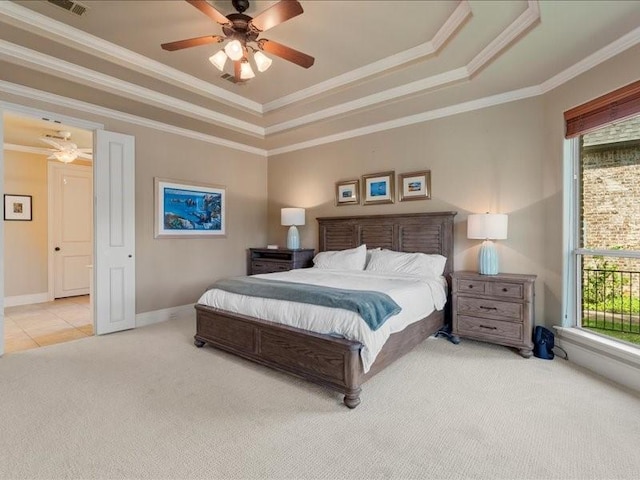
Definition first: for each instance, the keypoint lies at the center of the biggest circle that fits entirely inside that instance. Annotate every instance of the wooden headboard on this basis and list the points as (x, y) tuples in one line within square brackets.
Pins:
[(430, 232)]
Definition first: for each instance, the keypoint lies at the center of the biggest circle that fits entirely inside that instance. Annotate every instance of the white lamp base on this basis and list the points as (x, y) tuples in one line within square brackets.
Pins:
[(488, 259), (293, 238)]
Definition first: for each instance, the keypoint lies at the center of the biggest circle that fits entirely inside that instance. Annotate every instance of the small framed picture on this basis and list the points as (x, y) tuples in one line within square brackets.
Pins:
[(415, 185), (17, 207), (348, 192), (378, 188)]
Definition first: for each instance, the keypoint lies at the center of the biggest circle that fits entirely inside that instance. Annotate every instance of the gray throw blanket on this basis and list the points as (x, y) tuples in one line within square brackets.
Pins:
[(374, 307)]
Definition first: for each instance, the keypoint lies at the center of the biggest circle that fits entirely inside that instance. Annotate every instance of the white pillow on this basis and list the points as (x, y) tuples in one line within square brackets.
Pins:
[(351, 259), (421, 264), (377, 249)]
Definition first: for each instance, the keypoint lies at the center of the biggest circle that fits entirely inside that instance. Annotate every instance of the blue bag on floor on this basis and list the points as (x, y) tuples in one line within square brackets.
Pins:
[(543, 343)]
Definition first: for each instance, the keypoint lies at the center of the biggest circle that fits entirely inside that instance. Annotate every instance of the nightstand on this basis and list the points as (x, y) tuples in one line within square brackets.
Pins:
[(494, 308), (267, 260)]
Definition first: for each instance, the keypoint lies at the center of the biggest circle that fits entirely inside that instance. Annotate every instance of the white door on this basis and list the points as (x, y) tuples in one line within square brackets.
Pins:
[(114, 173), (71, 197)]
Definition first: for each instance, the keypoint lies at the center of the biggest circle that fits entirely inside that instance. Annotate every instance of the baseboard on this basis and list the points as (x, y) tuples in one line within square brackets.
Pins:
[(613, 360), (157, 316), (26, 299)]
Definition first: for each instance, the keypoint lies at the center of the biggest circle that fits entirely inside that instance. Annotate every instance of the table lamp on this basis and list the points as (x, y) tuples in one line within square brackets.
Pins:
[(292, 217), (487, 227)]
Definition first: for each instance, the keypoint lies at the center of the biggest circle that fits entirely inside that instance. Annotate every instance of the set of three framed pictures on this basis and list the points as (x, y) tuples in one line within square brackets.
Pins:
[(376, 188)]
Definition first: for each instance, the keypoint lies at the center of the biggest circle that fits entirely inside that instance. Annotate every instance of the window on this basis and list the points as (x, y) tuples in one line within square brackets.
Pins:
[(604, 228)]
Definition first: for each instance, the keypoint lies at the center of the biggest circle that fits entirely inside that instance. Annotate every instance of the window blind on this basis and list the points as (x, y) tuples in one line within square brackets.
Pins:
[(617, 105)]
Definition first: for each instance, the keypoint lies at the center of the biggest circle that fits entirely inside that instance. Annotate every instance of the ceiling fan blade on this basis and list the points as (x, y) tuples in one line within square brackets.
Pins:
[(88, 156), (237, 69), (85, 150), (209, 11), (54, 143), (192, 42), (285, 52), (278, 13)]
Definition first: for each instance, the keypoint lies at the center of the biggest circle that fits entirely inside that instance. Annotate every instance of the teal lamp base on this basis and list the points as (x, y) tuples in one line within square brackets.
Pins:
[(293, 238), (488, 259)]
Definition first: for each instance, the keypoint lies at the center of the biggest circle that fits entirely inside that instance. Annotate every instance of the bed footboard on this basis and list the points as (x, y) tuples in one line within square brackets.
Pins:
[(328, 361)]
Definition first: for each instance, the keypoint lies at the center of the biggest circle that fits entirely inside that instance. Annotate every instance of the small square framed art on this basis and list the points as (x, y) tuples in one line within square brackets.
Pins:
[(378, 188), (415, 185), (348, 192), (17, 207)]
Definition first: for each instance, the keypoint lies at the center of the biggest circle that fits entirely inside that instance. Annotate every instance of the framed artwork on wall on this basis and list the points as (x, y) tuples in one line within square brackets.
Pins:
[(348, 192), (17, 207), (415, 185), (378, 188), (188, 209)]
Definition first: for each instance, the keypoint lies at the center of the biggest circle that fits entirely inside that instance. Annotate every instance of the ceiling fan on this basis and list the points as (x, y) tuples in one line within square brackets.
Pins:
[(242, 32), (63, 149)]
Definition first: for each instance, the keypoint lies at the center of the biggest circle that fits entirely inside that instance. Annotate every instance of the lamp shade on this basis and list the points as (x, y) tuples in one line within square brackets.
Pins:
[(485, 226), (292, 216)]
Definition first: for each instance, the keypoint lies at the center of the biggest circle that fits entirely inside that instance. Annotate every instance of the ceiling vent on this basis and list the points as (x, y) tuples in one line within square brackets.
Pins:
[(70, 6), (232, 79)]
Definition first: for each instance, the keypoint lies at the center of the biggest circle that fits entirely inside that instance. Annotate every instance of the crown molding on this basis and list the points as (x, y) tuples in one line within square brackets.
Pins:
[(625, 42), (460, 14), (429, 83), (63, 69), (12, 147), (22, 16), (85, 107), (413, 119), (508, 35), (486, 55)]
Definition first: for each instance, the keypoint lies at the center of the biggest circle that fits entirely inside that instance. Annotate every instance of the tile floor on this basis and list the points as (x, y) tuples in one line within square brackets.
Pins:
[(40, 324)]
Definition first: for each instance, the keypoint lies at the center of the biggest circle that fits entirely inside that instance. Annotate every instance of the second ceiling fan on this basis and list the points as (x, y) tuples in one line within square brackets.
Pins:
[(242, 33)]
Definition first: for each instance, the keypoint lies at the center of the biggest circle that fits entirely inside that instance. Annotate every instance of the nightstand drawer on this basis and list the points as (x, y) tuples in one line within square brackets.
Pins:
[(472, 286), (511, 290), (489, 308), (476, 327), (269, 267)]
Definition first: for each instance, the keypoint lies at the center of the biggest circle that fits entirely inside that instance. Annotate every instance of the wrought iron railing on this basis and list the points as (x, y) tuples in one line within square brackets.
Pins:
[(611, 299)]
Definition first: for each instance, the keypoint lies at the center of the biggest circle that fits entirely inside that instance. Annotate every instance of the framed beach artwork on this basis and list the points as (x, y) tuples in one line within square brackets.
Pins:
[(348, 192), (184, 210), (17, 207), (415, 185), (378, 188)]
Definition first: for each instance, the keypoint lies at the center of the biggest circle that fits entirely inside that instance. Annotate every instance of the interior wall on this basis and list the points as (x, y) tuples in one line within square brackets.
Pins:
[(486, 160), (505, 159), (25, 253), (617, 72), (175, 272)]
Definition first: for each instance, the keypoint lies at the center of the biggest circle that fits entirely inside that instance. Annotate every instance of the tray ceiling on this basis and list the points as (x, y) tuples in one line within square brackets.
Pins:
[(377, 63)]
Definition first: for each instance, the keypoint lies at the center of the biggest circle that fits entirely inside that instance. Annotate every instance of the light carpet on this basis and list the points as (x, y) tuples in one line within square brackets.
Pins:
[(147, 404)]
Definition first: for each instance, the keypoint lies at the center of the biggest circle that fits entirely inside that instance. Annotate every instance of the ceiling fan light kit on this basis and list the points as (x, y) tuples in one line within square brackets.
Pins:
[(241, 34), (234, 50)]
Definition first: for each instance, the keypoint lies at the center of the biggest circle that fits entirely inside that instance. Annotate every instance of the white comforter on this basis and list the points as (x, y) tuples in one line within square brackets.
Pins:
[(417, 297)]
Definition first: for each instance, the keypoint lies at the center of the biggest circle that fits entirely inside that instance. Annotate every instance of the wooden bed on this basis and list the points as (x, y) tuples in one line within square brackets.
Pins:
[(326, 360)]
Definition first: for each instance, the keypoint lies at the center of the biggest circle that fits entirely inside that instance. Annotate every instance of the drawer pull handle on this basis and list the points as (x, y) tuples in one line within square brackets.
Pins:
[(488, 308), (470, 286), (505, 289), (488, 327)]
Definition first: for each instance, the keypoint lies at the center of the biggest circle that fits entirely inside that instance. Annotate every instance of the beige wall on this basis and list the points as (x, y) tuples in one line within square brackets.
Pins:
[(505, 159), (174, 272), (25, 252)]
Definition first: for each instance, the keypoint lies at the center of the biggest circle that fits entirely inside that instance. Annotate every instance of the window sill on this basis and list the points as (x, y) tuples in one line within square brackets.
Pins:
[(612, 359)]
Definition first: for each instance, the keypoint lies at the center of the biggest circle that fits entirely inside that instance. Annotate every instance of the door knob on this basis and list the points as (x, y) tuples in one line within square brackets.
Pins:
[(57, 249)]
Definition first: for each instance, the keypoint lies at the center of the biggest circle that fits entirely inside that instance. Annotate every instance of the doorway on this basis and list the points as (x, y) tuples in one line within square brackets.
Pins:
[(48, 248), (113, 305)]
